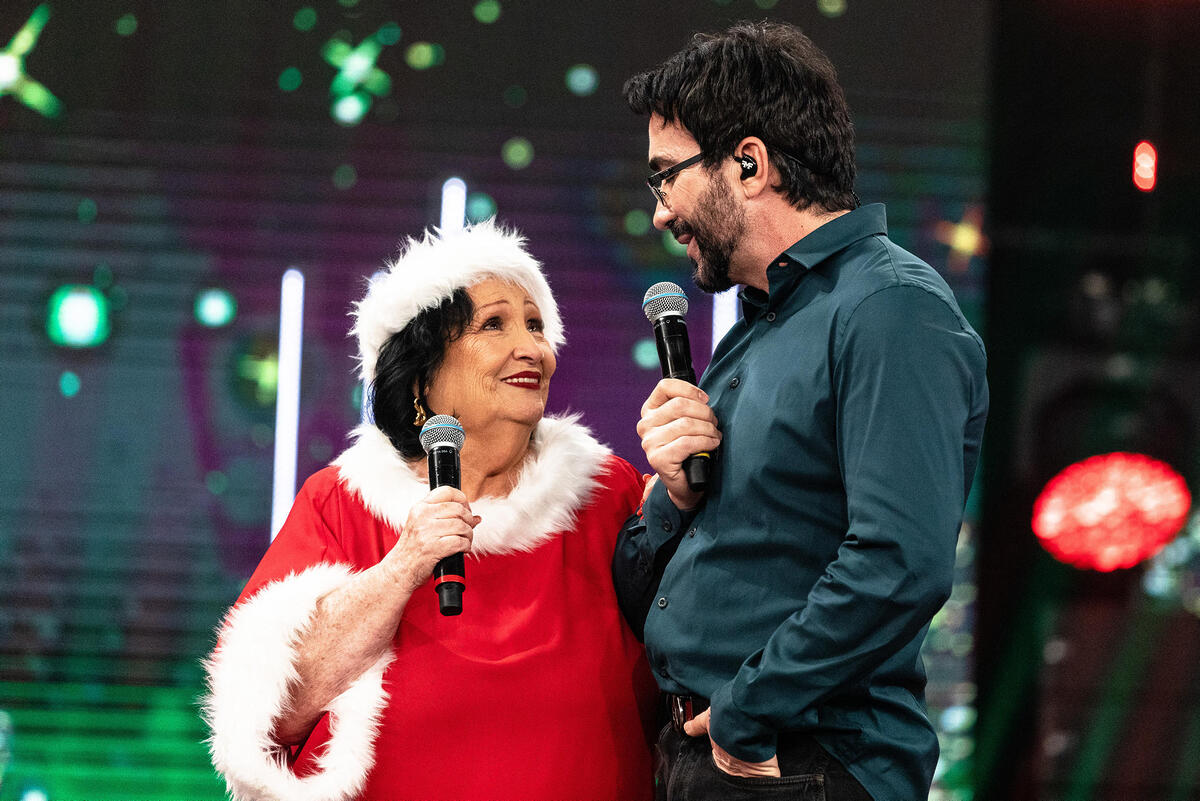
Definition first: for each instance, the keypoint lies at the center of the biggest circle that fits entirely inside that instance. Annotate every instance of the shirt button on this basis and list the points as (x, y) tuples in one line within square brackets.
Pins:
[(662, 603), (662, 671), (733, 384), (692, 533), (770, 317), (667, 525)]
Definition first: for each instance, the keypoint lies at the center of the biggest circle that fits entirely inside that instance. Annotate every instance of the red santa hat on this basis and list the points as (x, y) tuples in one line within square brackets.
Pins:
[(429, 270)]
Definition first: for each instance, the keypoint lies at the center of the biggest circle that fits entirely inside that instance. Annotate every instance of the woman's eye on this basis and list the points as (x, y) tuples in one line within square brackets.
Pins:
[(536, 324), (491, 324)]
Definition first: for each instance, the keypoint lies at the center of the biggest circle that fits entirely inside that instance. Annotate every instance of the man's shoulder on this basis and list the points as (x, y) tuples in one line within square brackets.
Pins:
[(876, 264)]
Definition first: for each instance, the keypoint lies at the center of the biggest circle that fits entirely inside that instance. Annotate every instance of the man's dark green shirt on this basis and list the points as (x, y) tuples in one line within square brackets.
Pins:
[(851, 400)]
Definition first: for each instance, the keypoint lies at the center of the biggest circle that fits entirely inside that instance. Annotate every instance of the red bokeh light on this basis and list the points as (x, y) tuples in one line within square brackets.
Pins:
[(1145, 166), (1111, 511)]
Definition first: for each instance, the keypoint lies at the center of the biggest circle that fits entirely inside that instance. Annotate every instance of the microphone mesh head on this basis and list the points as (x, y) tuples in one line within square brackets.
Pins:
[(664, 297), (442, 429)]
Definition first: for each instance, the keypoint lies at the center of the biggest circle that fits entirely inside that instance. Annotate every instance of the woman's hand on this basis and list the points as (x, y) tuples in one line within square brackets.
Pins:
[(440, 525)]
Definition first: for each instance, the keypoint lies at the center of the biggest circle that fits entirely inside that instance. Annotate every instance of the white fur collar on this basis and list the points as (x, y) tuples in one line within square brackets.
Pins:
[(557, 479)]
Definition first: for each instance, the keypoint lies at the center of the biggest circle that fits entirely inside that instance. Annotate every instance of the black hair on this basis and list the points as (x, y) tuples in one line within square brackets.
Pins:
[(764, 79), (408, 359)]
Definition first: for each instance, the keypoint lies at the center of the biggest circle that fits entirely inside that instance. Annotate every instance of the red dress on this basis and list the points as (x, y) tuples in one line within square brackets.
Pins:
[(538, 690)]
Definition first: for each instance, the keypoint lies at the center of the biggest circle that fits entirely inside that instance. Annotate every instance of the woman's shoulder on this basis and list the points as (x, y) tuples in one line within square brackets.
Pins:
[(619, 473)]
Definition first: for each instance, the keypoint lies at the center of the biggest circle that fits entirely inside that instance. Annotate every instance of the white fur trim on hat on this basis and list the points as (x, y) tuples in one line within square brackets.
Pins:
[(558, 477), (248, 678), (427, 271)]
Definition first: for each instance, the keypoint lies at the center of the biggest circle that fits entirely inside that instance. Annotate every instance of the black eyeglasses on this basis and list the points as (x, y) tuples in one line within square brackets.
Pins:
[(656, 180)]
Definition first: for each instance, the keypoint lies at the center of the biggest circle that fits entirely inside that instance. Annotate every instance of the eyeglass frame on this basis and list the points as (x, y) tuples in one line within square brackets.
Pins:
[(656, 180)]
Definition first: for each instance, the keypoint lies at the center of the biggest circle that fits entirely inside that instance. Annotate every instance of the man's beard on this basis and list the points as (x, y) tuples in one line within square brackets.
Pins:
[(717, 227)]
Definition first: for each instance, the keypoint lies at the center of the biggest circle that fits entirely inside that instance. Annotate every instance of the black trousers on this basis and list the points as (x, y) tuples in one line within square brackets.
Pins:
[(685, 771)]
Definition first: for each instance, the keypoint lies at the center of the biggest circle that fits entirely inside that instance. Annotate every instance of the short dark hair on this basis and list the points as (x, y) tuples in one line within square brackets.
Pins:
[(408, 359), (764, 79)]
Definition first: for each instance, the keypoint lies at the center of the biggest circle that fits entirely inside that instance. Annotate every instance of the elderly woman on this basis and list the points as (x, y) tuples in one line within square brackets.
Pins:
[(336, 677)]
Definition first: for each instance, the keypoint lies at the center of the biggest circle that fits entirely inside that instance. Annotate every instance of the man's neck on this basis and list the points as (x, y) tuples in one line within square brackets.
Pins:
[(771, 235)]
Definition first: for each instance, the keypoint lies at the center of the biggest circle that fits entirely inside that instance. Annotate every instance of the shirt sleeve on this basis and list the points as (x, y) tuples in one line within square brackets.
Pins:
[(645, 544), (907, 375)]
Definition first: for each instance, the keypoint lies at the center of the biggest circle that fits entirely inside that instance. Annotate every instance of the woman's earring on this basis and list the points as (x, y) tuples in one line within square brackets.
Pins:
[(419, 420)]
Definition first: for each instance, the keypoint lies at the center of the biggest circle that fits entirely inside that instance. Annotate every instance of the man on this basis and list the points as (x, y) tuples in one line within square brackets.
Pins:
[(844, 413)]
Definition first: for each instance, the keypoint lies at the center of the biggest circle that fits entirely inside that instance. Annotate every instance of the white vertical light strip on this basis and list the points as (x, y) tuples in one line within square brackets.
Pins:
[(454, 204), (724, 313), (287, 397)]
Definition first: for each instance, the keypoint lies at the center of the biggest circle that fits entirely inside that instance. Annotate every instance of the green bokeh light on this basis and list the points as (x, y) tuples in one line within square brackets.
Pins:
[(480, 206), (13, 80), (645, 354), (424, 55), (671, 246), (256, 373), (388, 34), (517, 153), (637, 222), (349, 110), (515, 96), (217, 482), (126, 25), (832, 8), (290, 79), (69, 384), (87, 210), (581, 79), (347, 3), (487, 11), (305, 19), (77, 316), (766, 4), (345, 176), (215, 307)]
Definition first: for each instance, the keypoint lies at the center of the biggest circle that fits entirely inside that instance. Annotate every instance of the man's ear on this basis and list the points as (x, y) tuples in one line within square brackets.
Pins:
[(754, 165)]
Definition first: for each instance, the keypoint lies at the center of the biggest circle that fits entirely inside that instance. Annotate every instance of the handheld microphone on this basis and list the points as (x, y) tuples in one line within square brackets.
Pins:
[(665, 305), (442, 437)]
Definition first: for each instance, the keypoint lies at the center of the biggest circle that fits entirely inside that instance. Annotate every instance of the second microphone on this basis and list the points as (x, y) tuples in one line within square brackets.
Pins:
[(442, 438)]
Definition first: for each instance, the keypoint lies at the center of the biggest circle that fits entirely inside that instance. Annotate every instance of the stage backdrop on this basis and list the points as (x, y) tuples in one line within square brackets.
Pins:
[(163, 164)]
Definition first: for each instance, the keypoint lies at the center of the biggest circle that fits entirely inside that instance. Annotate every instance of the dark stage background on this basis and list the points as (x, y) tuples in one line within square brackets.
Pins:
[(157, 155)]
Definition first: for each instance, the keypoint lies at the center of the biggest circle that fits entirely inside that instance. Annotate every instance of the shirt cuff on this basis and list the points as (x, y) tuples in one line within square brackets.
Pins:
[(663, 519), (740, 735)]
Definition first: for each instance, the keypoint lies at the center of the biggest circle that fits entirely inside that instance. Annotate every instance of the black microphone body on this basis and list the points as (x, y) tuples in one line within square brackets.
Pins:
[(442, 437), (449, 575), (674, 350), (665, 305)]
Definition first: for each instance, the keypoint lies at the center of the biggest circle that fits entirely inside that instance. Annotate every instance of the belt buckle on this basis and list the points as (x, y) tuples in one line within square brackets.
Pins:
[(681, 711)]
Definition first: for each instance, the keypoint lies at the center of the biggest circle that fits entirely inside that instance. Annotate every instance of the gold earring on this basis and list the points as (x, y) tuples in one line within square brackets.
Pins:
[(419, 420)]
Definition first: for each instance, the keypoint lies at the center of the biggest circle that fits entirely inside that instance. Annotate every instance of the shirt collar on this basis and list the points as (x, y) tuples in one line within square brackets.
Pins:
[(788, 267), (835, 235)]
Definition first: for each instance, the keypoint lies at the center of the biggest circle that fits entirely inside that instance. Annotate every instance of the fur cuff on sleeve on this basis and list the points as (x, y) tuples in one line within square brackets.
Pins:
[(248, 678)]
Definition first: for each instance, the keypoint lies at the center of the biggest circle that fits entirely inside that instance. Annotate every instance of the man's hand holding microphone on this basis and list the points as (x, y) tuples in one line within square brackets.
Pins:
[(678, 430)]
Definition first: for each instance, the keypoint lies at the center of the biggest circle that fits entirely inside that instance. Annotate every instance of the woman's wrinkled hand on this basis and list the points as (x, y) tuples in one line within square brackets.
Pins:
[(440, 525)]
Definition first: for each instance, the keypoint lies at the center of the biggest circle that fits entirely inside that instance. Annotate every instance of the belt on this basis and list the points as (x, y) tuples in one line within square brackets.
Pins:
[(683, 708)]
